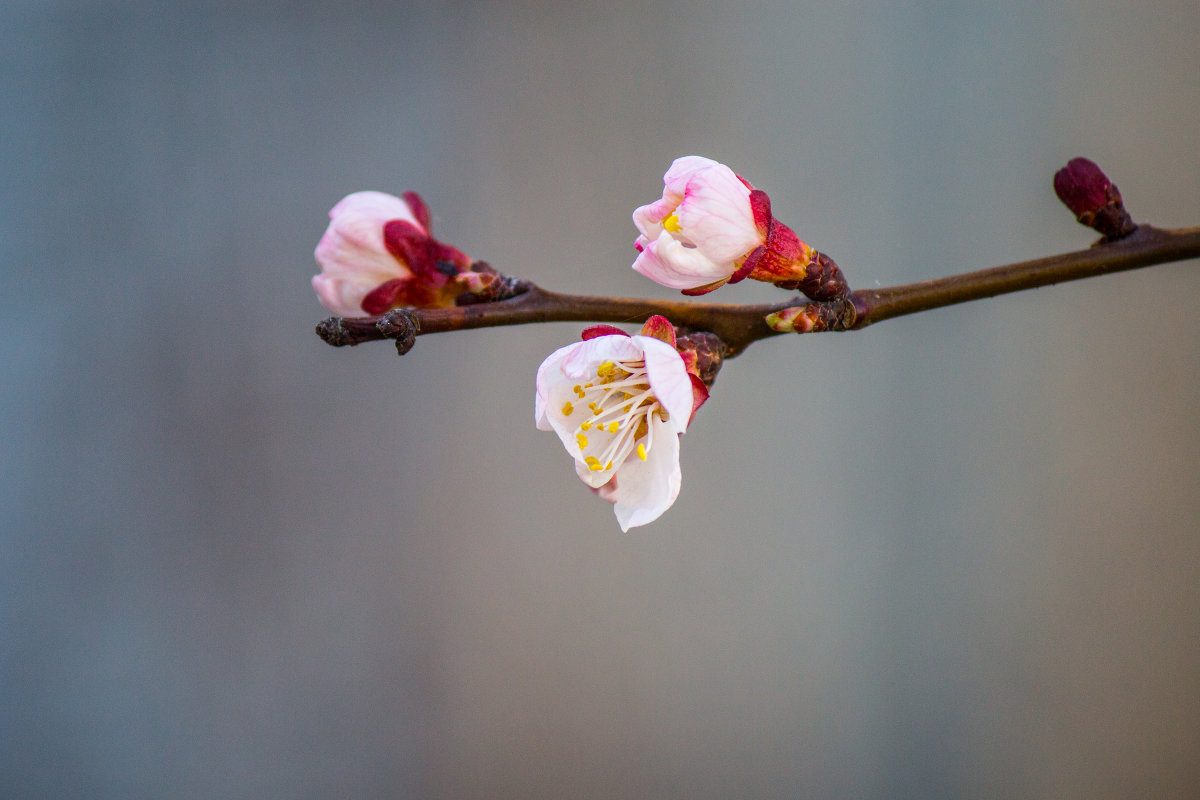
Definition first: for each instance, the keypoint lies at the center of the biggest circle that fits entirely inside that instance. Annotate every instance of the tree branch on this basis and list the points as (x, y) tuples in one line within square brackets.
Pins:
[(741, 325)]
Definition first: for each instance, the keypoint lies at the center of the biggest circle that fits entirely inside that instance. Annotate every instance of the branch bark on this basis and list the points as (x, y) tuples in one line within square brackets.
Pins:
[(741, 325)]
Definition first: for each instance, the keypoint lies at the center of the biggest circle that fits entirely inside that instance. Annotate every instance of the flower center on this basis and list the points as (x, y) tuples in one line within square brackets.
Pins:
[(671, 222), (620, 401)]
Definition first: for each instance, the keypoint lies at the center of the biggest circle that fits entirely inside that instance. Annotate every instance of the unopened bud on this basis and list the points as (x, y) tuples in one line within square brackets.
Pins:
[(401, 325), (1093, 199), (833, 315)]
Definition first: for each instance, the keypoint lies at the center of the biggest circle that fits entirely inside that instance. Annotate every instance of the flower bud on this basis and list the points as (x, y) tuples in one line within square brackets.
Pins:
[(1093, 199), (378, 254), (712, 227)]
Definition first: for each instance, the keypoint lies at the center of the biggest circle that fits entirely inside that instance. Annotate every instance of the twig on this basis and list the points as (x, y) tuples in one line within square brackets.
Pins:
[(741, 325)]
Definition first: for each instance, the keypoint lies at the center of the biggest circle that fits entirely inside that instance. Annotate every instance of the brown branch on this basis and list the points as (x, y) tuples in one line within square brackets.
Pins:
[(1145, 247), (741, 325)]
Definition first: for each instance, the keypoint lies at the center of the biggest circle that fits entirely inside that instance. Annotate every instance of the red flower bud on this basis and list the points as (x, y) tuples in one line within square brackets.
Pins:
[(1093, 198)]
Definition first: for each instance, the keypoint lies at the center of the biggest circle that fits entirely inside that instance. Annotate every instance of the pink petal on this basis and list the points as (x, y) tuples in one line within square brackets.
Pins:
[(668, 262), (716, 216)]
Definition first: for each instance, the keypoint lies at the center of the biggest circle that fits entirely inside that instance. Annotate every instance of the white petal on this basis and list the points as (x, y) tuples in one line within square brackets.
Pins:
[(648, 488), (581, 363), (549, 375), (669, 380)]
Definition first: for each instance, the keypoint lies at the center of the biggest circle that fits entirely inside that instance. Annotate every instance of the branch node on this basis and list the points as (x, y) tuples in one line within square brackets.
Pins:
[(402, 325), (334, 332)]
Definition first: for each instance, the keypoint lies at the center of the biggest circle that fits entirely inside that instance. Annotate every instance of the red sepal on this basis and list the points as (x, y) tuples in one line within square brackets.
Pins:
[(699, 395), (383, 297), (660, 328), (760, 206), (419, 210), (748, 266), (705, 289), (784, 241), (408, 244), (601, 330)]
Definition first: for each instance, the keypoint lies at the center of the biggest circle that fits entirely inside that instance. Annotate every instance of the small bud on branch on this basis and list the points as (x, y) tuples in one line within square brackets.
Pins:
[(1093, 199)]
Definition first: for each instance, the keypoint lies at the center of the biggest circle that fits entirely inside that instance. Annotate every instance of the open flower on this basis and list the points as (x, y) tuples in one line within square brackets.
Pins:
[(712, 227), (377, 254), (618, 404)]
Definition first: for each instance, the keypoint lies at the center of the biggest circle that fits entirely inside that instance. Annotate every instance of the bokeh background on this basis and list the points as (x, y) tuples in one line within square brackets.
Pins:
[(956, 554)]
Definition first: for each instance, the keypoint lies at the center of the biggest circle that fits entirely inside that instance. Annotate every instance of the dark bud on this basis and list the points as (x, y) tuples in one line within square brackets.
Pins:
[(334, 332), (483, 284), (401, 325), (709, 349), (1093, 199), (823, 280)]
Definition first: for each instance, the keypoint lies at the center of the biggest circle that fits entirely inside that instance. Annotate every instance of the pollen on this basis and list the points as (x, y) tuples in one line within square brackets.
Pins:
[(585, 425), (613, 427), (582, 440), (641, 451), (671, 223), (568, 409)]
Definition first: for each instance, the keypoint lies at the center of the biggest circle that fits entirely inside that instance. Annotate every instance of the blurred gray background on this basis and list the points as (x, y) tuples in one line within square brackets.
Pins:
[(956, 554)]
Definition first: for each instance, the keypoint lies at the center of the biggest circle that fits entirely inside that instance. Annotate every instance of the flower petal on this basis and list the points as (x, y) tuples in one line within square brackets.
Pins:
[(648, 488), (581, 361), (667, 261), (549, 375), (715, 215), (669, 380)]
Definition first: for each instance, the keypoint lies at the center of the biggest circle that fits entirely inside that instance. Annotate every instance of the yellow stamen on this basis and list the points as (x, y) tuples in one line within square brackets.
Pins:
[(582, 440), (613, 426), (641, 451), (568, 409), (592, 461), (585, 425), (671, 223), (608, 465)]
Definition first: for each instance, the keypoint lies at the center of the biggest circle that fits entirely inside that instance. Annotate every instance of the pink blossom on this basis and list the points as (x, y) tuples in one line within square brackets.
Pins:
[(377, 254), (618, 404), (712, 227)]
